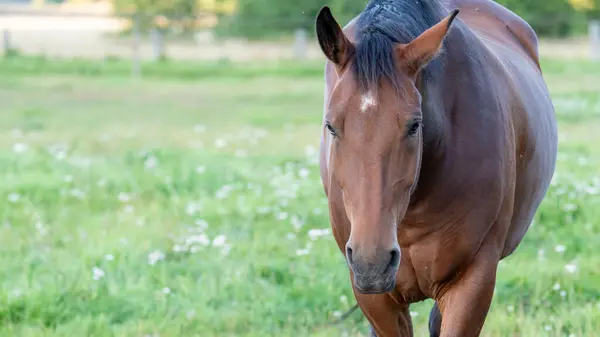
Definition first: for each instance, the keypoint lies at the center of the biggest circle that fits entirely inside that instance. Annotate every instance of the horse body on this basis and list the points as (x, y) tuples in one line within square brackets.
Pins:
[(489, 144), (514, 45)]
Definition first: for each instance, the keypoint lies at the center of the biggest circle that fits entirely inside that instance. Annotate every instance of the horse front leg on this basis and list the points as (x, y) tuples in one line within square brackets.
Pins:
[(466, 302), (387, 317)]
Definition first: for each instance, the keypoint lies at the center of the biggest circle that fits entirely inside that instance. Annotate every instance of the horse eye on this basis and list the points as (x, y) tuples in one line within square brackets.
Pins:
[(330, 129), (414, 128)]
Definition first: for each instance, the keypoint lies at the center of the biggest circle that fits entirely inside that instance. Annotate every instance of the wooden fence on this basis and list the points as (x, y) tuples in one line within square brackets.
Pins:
[(78, 34)]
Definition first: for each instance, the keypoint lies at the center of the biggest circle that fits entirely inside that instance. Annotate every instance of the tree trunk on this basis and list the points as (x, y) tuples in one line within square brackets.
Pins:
[(594, 33)]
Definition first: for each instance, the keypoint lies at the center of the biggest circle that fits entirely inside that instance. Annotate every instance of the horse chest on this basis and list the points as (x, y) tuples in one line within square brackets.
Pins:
[(430, 261)]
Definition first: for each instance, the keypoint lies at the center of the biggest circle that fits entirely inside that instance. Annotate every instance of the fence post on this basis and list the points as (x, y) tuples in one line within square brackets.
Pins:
[(594, 32), (158, 44), (300, 44), (137, 42), (6, 48)]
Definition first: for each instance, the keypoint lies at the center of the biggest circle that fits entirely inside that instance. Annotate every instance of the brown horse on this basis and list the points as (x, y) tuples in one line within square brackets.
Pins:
[(439, 143)]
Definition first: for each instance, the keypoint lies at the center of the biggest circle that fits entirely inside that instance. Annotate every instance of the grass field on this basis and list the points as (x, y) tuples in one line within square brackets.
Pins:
[(167, 207)]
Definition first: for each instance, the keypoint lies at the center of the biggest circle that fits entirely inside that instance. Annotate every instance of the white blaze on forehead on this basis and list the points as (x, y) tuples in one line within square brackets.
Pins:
[(367, 101)]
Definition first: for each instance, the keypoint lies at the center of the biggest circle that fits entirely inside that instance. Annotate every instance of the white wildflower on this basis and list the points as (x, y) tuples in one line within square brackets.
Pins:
[(14, 197), (199, 128), (226, 249), (151, 163), (571, 268), (219, 241), (220, 143), (303, 173), (191, 208), (77, 193), (124, 197), (20, 147), (179, 248), (592, 190), (263, 210), (202, 224), (155, 256), (16, 293), (310, 151), (223, 192), (317, 233), (41, 228), (97, 273), (301, 252), (296, 222), (281, 215), (201, 239)]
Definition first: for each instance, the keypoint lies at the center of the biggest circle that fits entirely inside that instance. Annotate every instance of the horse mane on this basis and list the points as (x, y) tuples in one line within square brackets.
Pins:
[(382, 25)]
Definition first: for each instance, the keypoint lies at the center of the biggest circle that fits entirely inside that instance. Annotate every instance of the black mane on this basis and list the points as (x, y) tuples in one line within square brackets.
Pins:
[(382, 25)]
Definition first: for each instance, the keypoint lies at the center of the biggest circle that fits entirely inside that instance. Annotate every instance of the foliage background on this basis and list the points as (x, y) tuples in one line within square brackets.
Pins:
[(264, 18), (256, 18)]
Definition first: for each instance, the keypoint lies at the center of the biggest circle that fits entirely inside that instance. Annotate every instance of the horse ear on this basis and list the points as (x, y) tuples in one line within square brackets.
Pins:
[(416, 54), (334, 43)]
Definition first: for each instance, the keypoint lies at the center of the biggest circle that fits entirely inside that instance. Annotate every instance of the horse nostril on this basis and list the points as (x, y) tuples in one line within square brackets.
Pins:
[(395, 257), (349, 254)]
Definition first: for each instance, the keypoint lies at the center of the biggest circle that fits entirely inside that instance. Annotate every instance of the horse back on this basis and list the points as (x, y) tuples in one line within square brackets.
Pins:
[(498, 23)]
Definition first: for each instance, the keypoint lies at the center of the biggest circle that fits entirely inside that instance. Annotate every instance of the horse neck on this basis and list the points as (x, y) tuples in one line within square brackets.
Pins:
[(440, 103)]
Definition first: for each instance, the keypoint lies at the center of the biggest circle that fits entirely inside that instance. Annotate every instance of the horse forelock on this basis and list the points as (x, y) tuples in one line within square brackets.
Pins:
[(380, 28)]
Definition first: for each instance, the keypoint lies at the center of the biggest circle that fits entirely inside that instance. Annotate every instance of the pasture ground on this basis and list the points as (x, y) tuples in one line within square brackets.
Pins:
[(166, 207)]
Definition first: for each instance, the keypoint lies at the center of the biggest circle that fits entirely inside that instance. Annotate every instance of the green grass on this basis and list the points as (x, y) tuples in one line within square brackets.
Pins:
[(183, 208), (190, 70), (181, 70)]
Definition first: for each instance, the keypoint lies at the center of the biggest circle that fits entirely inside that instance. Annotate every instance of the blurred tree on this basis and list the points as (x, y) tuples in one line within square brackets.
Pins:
[(174, 15), (592, 10), (157, 7), (555, 18), (262, 18), (217, 6), (590, 7)]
